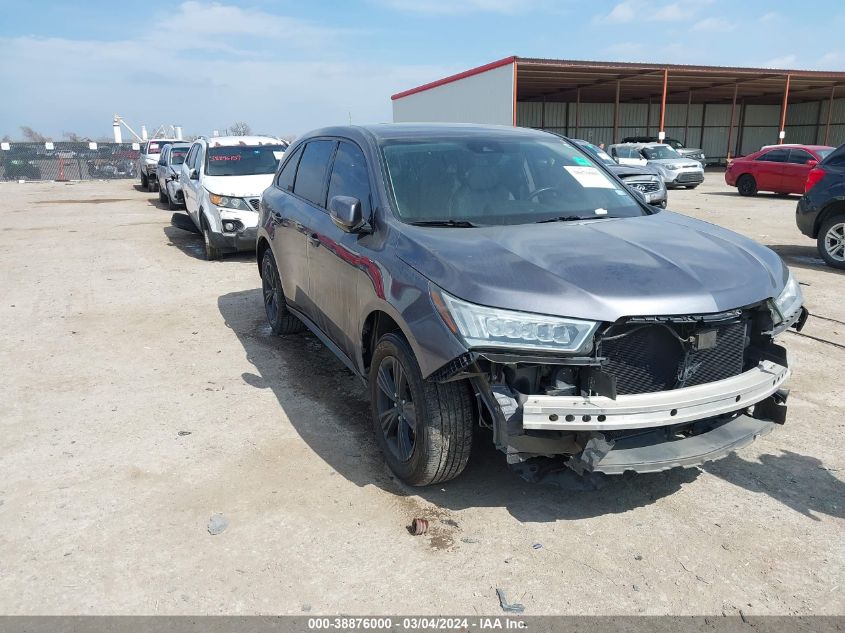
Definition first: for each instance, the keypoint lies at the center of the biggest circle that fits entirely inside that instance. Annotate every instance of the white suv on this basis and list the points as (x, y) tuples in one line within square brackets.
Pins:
[(222, 180), (148, 161)]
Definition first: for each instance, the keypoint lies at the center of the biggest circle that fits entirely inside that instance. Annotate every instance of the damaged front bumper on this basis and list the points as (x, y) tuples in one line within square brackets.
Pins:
[(644, 410)]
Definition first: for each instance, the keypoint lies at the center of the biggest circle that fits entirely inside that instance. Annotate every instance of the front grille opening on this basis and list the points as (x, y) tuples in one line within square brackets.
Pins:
[(662, 356)]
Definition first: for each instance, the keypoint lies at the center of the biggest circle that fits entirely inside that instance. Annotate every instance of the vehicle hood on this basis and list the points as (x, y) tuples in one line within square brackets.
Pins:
[(676, 162), (632, 170), (662, 264), (685, 151), (238, 186)]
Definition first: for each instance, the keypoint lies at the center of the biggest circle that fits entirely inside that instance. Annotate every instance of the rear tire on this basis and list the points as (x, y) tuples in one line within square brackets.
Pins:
[(831, 241), (746, 185), (424, 428), (275, 307)]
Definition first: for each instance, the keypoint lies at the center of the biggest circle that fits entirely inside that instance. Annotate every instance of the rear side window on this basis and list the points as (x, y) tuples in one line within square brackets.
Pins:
[(311, 175), (288, 173), (350, 177), (799, 156), (775, 156)]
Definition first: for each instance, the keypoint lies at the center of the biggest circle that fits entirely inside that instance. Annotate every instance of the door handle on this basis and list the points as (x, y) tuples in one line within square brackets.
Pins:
[(314, 240)]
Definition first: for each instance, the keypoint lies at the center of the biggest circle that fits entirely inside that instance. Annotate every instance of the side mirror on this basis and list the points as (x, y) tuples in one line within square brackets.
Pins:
[(346, 213), (812, 162), (639, 195), (194, 174), (162, 163)]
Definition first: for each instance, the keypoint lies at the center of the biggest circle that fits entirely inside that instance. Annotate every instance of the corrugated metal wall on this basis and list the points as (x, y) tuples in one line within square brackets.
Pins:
[(805, 123), (486, 97)]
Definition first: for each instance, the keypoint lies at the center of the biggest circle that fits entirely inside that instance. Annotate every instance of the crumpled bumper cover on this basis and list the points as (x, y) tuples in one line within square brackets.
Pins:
[(651, 452)]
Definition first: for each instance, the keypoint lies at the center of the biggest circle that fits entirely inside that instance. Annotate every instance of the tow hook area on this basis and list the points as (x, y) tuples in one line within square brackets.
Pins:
[(595, 449), (773, 408)]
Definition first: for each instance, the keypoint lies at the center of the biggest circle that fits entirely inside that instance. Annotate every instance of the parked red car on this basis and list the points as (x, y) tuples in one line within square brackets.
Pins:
[(778, 168)]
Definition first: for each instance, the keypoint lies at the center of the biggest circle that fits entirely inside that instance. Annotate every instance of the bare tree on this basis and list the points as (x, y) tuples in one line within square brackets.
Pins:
[(32, 136), (6, 138), (239, 128)]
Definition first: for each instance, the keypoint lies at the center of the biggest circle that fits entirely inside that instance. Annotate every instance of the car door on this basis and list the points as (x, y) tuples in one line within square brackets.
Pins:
[(189, 186), (306, 205), (285, 226), (768, 169), (338, 261), (795, 170), (162, 168)]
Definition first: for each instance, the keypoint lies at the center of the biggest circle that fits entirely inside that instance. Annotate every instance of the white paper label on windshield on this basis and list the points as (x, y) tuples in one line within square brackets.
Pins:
[(589, 177), (278, 155)]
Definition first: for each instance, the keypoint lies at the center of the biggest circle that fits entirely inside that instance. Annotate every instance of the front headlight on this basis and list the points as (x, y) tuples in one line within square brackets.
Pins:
[(672, 167), (229, 203), (480, 326), (788, 303)]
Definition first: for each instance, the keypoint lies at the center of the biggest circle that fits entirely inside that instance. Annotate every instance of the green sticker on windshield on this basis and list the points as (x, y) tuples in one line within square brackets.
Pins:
[(581, 160)]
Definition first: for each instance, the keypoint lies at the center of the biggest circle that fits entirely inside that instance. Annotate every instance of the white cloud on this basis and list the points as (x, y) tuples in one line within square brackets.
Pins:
[(643, 11), (714, 24), (770, 17), (458, 7), (784, 61), (280, 74)]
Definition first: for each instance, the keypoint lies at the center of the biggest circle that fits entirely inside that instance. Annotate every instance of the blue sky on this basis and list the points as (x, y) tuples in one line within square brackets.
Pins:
[(288, 66)]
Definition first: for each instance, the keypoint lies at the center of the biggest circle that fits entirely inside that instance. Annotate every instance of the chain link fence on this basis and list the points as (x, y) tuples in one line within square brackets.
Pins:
[(68, 161)]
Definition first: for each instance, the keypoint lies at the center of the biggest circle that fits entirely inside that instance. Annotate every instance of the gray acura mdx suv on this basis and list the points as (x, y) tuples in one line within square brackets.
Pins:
[(501, 277)]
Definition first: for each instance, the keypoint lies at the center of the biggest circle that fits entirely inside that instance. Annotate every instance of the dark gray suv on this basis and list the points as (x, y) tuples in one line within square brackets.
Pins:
[(503, 278)]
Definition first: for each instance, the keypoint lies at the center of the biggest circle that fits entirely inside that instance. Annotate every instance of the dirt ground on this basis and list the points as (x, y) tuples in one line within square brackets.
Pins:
[(142, 393)]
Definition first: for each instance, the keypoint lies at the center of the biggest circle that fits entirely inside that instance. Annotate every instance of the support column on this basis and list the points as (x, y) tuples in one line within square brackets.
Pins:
[(577, 113), (648, 117), (783, 107), (616, 113), (829, 115), (731, 127), (686, 120), (661, 134), (741, 131), (543, 114), (703, 119)]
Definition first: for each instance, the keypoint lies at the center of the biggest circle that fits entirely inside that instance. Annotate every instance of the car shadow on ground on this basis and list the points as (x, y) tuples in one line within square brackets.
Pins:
[(762, 194), (301, 371), (192, 245), (808, 257), (800, 482)]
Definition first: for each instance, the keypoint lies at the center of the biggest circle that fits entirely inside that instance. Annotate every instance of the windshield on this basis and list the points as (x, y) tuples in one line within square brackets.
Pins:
[(155, 147), (598, 152), (177, 155), (243, 160), (499, 181), (659, 152), (674, 144)]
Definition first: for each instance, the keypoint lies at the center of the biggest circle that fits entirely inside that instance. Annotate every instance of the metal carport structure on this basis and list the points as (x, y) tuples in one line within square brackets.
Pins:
[(727, 111)]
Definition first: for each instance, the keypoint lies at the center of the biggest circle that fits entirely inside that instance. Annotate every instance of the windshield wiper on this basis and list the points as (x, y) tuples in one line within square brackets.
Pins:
[(570, 218), (462, 224)]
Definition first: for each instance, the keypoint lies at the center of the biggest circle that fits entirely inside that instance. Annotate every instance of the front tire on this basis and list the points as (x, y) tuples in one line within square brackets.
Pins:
[(746, 185), (162, 195), (144, 182), (211, 251), (831, 241), (278, 316), (424, 428)]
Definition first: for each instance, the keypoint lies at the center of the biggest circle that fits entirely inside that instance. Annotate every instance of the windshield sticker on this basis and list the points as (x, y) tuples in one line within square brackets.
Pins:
[(226, 157), (581, 160), (589, 177), (600, 211), (278, 155)]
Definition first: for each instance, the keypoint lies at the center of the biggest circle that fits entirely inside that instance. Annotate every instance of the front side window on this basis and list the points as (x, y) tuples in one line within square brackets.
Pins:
[(311, 175), (659, 152), (190, 160), (243, 160), (499, 181), (350, 176)]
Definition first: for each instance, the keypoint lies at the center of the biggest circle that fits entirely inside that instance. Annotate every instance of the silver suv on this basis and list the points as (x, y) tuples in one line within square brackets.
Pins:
[(148, 161)]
